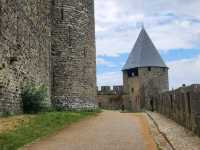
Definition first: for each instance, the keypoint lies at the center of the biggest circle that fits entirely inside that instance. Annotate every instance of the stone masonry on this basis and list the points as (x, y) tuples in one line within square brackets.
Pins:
[(24, 49), (143, 86), (181, 105), (50, 42), (73, 53), (112, 99)]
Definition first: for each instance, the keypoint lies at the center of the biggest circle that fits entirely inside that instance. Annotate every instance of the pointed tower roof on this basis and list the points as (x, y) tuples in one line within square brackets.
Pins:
[(144, 54)]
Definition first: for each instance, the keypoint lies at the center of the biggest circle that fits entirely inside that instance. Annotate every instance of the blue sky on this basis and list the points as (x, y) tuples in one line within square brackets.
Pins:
[(173, 25)]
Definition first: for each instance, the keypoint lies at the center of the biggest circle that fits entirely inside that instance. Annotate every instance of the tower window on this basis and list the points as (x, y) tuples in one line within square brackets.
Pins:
[(132, 90), (149, 68), (133, 72), (164, 69)]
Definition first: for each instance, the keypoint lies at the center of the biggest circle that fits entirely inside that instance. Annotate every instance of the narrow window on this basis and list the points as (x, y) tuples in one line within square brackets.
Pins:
[(86, 6), (132, 90), (100, 105), (188, 102), (62, 12), (29, 40), (52, 2), (84, 52), (17, 26), (17, 34), (69, 36), (1, 90), (164, 69), (83, 2)]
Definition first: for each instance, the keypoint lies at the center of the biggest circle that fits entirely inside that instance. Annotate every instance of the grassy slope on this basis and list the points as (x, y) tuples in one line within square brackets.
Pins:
[(40, 126)]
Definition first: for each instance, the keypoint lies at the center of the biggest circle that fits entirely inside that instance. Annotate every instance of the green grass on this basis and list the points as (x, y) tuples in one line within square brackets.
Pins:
[(40, 126)]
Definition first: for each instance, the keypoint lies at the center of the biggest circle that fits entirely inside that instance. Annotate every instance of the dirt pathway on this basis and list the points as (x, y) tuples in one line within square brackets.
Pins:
[(109, 131)]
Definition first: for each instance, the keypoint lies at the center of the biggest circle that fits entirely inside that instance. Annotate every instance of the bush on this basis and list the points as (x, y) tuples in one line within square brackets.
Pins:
[(34, 98)]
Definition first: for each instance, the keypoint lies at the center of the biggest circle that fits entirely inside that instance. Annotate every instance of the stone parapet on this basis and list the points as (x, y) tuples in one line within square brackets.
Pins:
[(181, 105), (111, 90)]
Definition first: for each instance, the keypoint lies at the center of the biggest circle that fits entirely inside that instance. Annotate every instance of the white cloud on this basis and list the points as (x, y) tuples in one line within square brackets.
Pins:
[(109, 79), (101, 61), (186, 71), (172, 25)]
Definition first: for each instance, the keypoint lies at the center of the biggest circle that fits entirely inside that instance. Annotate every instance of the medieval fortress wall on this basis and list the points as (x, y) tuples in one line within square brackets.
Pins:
[(24, 49), (49, 42), (181, 105)]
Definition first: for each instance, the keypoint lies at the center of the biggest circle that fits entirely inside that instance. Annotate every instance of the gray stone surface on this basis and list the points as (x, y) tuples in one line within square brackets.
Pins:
[(73, 52), (181, 105), (24, 49), (144, 86), (49, 42), (111, 97)]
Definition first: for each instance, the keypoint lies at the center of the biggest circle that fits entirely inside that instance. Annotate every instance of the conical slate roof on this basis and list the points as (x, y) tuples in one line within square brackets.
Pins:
[(144, 54)]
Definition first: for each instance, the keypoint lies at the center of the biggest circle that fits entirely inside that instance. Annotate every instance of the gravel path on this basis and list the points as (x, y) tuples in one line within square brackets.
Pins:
[(111, 130)]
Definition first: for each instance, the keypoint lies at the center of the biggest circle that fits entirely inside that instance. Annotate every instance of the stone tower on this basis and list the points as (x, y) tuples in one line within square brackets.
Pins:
[(144, 74), (73, 53), (50, 42)]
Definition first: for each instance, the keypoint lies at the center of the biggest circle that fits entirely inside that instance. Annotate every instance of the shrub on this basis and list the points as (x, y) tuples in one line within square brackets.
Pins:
[(34, 98)]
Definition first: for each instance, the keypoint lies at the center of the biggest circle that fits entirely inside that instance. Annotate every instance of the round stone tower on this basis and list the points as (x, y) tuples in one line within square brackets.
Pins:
[(73, 54), (145, 74)]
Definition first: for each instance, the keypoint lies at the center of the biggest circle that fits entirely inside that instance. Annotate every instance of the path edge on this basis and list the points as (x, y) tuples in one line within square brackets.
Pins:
[(160, 132)]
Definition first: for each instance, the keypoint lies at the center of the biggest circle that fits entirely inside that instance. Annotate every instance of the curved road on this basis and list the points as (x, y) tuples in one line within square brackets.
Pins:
[(111, 130)]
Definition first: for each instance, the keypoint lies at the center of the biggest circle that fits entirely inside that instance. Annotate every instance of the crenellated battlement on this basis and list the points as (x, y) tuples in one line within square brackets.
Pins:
[(110, 90)]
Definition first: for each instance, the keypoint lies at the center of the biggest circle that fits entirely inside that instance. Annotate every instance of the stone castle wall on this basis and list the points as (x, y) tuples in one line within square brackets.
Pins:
[(49, 42), (181, 105), (24, 49), (111, 97), (73, 53)]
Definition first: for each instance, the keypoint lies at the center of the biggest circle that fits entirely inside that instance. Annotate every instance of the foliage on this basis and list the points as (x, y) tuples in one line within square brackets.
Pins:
[(34, 98), (40, 125)]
